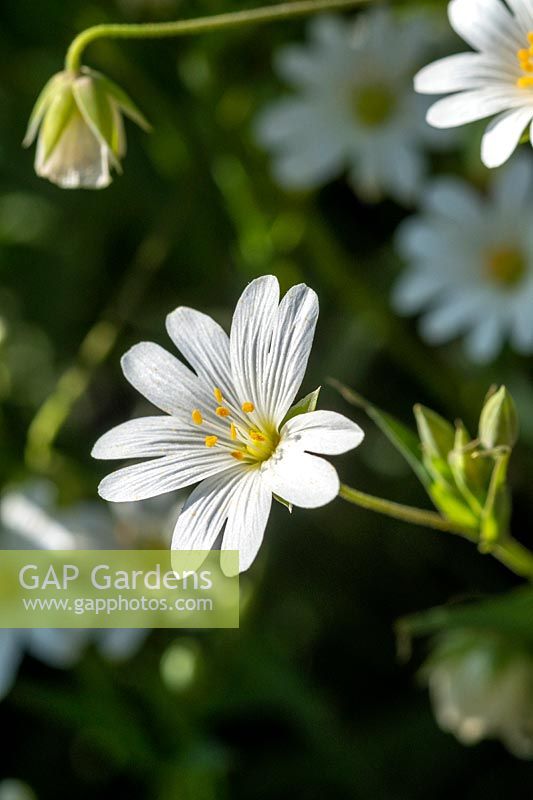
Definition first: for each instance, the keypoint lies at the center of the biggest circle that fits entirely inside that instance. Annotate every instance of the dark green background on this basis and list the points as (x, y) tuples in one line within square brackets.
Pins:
[(308, 698)]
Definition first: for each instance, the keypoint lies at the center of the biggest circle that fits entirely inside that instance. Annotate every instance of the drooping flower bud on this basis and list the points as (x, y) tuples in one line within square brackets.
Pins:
[(481, 687), (78, 121), (498, 423)]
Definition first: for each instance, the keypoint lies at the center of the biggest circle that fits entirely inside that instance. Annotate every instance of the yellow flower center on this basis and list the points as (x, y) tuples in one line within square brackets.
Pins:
[(505, 266), (244, 441), (374, 104), (525, 59)]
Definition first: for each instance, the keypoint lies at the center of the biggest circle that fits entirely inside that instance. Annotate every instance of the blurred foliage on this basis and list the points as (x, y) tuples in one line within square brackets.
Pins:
[(307, 698)]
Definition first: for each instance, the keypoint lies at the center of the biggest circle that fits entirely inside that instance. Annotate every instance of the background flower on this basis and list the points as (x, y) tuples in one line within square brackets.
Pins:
[(470, 263), (353, 107)]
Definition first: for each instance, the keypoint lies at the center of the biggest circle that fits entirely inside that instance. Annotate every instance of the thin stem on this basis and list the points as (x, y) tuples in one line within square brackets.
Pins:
[(188, 27), (508, 551), (417, 516)]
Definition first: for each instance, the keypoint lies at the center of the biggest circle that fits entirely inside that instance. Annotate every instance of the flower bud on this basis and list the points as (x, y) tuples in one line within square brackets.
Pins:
[(481, 687), (436, 434), (498, 424), (78, 121)]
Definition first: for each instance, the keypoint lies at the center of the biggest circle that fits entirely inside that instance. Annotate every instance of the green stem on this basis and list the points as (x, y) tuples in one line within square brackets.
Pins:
[(188, 27), (509, 552), (417, 516)]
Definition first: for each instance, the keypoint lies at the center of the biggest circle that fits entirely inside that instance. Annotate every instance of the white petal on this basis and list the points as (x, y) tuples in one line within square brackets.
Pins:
[(415, 288), (465, 107), (146, 437), (151, 478), (455, 200), (512, 186), (485, 25), (206, 510), (163, 380), (523, 11), (503, 134), (323, 432), (299, 478), (485, 340), (78, 160), (10, 658), (292, 339), (461, 71), (204, 344), (251, 337), (56, 647), (119, 644), (450, 319), (247, 518)]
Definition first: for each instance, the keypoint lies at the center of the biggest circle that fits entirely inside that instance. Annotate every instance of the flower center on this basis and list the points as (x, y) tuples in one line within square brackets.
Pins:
[(374, 104), (525, 59), (245, 442), (505, 266)]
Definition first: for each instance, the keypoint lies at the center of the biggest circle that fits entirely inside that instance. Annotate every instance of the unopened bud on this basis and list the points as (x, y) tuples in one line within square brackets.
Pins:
[(498, 423)]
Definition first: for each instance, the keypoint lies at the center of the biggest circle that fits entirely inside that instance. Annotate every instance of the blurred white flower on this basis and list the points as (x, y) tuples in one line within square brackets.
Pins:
[(11, 789), (78, 121), (470, 263), (482, 688), (227, 427), (496, 79), (30, 519), (354, 107)]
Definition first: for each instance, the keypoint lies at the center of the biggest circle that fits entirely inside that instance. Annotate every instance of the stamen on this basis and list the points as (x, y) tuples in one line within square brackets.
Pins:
[(218, 395), (197, 416), (238, 454), (210, 441), (248, 407), (222, 411), (257, 437), (233, 432), (525, 61)]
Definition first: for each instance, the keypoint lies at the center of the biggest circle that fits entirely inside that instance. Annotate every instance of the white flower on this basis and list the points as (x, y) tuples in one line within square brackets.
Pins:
[(226, 428), (78, 119), (29, 519), (481, 689), (496, 79), (471, 263), (354, 107)]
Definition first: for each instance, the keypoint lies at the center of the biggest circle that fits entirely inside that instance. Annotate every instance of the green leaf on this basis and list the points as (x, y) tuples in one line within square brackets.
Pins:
[(398, 434), (120, 97), (303, 406), (510, 614)]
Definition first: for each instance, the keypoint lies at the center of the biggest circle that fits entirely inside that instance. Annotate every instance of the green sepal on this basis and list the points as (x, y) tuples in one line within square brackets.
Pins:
[(398, 434), (471, 474), (56, 119), (283, 502), (120, 97), (303, 406), (437, 437), (497, 511), (41, 105), (452, 505), (97, 112)]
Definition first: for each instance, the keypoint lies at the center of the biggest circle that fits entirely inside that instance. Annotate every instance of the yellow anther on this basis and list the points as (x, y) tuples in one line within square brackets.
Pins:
[(218, 395), (530, 37), (255, 436), (523, 54), (248, 407), (222, 411), (233, 432), (197, 416), (210, 441), (238, 454), (524, 83)]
